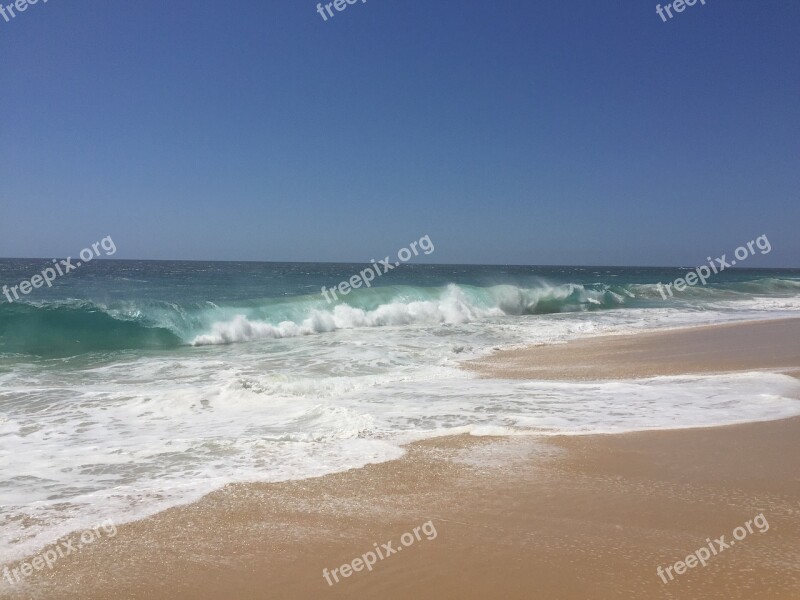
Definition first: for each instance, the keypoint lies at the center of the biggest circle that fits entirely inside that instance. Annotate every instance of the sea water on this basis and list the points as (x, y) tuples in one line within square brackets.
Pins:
[(132, 386)]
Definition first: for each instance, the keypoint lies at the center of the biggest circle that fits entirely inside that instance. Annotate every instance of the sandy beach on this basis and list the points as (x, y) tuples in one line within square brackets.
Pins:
[(400, 300), (748, 346), (563, 517)]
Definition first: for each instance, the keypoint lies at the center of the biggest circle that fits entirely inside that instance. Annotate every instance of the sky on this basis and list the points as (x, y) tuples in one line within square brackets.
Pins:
[(573, 133)]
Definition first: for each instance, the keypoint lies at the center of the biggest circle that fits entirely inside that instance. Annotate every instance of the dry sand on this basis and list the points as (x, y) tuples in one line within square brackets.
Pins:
[(535, 518)]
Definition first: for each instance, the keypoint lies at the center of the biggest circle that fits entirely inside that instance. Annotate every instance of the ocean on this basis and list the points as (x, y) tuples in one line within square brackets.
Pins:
[(132, 386)]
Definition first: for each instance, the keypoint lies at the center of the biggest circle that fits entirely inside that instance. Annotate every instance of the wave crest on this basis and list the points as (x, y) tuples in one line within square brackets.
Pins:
[(454, 307), (67, 328)]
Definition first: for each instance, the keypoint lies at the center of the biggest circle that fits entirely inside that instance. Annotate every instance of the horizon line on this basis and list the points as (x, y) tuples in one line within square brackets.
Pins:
[(307, 262)]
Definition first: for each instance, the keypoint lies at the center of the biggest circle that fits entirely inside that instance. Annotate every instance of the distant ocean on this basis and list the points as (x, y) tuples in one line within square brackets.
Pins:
[(132, 386)]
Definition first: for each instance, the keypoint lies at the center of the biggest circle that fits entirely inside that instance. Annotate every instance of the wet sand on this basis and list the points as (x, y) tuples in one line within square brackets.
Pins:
[(748, 346), (523, 517)]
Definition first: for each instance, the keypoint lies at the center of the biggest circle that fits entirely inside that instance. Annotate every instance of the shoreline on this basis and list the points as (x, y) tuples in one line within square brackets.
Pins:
[(768, 344), (494, 501)]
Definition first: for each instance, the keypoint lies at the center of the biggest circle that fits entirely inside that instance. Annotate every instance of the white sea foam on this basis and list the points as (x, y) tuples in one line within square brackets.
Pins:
[(452, 308), (131, 437), (458, 305)]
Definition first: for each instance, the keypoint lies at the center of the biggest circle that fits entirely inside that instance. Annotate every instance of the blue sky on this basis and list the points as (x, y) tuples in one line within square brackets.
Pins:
[(578, 132)]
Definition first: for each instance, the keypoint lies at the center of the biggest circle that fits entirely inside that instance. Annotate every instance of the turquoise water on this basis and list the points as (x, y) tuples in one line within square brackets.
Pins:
[(128, 305), (132, 386)]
